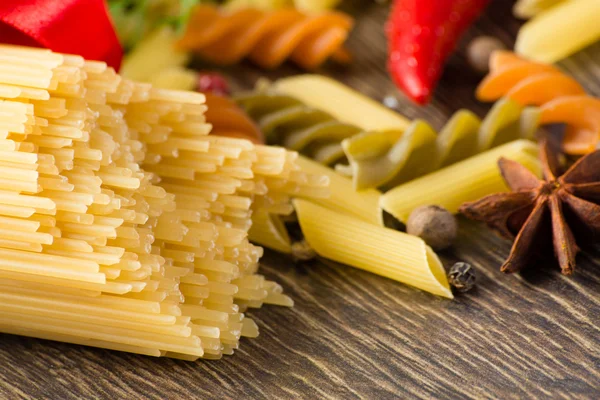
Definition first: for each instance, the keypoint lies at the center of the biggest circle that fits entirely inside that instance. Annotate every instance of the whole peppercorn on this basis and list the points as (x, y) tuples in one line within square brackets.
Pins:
[(479, 51), (434, 224), (462, 276)]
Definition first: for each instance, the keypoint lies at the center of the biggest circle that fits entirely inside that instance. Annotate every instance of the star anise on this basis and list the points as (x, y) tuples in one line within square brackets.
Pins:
[(557, 206)]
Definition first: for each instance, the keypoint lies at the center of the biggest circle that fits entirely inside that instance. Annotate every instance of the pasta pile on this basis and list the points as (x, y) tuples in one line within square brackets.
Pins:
[(558, 98), (124, 225), (268, 38), (381, 158), (348, 226)]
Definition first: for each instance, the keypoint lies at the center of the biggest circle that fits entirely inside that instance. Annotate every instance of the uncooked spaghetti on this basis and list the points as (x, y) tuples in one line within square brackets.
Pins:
[(123, 225)]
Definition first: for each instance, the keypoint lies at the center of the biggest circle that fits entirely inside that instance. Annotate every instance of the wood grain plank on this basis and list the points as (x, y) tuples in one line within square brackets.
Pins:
[(354, 335)]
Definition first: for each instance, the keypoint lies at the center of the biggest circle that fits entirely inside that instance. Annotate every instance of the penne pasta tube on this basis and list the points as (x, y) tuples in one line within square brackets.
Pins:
[(464, 181), (269, 231), (363, 204), (382, 251), (560, 31), (349, 106)]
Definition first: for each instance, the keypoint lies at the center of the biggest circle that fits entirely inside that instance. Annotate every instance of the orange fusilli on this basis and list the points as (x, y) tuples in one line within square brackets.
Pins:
[(228, 119), (268, 38), (526, 82), (560, 98)]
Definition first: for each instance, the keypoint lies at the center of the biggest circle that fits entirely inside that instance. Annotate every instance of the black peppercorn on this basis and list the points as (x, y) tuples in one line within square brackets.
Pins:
[(462, 276)]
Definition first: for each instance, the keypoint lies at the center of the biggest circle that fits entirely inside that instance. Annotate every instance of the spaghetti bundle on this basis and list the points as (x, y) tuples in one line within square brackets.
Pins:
[(123, 224), (557, 98), (268, 38)]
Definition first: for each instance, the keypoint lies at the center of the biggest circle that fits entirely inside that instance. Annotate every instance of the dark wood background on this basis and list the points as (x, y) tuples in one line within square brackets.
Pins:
[(357, 335)]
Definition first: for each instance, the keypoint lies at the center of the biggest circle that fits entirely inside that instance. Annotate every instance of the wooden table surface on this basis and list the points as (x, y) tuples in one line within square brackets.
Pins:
[(356, 335)]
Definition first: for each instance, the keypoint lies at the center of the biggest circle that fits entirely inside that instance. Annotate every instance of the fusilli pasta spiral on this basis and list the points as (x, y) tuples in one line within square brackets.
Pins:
[(526, 82), (228, 119), (304, 5), (286, 121), (383, 158), (560, 98), (581, 114), (268, 38), (377, 161)]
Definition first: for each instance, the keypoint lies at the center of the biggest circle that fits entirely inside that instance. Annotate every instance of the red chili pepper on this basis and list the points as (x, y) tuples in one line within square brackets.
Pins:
[(421, 36), (67, 26)]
